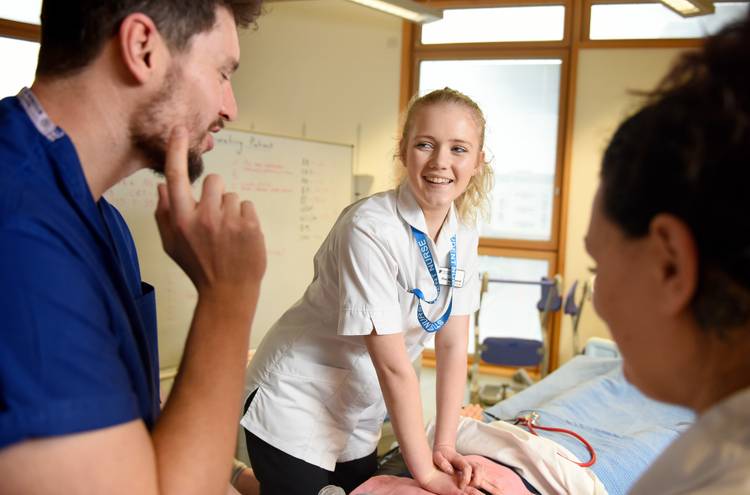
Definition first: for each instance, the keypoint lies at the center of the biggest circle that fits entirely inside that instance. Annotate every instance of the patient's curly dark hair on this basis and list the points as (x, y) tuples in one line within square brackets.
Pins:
[(687, 153)]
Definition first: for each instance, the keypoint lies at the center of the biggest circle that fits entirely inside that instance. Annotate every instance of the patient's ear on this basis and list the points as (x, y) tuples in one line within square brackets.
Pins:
[(675, 261)]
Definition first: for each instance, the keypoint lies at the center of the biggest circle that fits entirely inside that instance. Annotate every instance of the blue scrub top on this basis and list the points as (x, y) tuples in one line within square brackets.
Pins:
[(78, 348)]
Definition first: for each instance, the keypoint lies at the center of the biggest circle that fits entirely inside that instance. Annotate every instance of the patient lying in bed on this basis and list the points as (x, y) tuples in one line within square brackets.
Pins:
[(587, 395), (547, 466), (505, 480)]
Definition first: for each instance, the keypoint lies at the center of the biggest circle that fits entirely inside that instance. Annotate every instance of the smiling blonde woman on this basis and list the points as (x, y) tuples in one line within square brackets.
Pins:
[(397, 269)]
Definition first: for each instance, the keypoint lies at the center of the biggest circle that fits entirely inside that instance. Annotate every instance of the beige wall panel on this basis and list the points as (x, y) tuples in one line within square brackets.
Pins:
[(326, 70), (605, 76)]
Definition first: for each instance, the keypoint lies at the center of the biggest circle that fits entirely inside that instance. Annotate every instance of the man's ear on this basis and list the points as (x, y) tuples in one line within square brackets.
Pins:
[(676, 261), (140, 44)]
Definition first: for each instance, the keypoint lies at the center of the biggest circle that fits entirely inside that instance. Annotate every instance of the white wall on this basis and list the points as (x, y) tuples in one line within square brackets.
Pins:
[(326, 70), (604, 78)]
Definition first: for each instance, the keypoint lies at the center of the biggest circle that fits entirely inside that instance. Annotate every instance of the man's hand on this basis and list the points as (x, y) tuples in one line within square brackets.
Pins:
[(217, 241)]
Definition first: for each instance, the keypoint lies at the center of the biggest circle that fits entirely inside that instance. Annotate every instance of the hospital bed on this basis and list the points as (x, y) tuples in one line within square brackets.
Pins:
[(589, 396)]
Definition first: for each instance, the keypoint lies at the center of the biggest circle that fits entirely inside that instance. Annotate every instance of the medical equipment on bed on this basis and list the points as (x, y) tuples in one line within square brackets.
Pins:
[(591, 396), (595, 346), (512, 351), (574, 309), (600, 347), (531, 421)]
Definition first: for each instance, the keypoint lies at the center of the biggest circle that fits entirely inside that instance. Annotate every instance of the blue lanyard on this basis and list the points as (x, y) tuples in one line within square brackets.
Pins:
[(424, 249)]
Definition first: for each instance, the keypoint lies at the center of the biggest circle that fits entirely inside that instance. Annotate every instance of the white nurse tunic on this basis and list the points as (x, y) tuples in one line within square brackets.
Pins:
[(318, 397), (710, 458)]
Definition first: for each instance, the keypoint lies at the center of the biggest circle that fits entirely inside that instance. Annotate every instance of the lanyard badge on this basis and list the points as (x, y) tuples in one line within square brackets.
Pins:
[(424, 249)]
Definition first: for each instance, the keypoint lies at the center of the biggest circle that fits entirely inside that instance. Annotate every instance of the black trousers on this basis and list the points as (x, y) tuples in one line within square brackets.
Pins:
[(282, 474)]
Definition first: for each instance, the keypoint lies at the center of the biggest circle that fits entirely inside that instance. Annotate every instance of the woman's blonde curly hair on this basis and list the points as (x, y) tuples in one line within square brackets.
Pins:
[(474, 202)]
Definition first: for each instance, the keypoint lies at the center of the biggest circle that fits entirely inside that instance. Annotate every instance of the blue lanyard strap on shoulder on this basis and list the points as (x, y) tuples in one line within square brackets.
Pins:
[(424, 249)]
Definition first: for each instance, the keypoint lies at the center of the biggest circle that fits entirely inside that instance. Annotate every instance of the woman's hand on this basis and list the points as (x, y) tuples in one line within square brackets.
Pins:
[(440, 483), (451, 462)]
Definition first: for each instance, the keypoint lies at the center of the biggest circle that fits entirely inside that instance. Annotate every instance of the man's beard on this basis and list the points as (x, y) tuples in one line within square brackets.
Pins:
[(152, 141)]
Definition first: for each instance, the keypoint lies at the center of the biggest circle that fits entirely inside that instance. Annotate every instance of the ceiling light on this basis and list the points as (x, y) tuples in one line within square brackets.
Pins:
[(408, 9), (690, 8)]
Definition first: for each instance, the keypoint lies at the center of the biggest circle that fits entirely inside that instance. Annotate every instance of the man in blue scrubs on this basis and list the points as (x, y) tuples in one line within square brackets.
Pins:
[(121, 85)]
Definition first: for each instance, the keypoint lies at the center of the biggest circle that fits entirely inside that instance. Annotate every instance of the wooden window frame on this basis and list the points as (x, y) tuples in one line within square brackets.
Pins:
[(413, 52), (19, 30), (492, 45), (587, 42), (576, 37), (499, 50), (544, 53)]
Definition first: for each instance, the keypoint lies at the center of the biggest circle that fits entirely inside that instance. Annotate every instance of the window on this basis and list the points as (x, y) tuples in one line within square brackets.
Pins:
[(518, 59), (509, 305), (537, 23), (19, 31), (655, 21), (520, 100), (512, 60), (19, 57), (26, 11)]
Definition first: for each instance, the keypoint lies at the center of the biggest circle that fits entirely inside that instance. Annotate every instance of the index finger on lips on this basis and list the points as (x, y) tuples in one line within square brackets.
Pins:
[(176, 172), (162, 206)]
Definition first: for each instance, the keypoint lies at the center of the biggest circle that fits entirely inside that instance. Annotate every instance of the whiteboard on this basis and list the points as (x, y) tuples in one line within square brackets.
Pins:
[(299, 187)]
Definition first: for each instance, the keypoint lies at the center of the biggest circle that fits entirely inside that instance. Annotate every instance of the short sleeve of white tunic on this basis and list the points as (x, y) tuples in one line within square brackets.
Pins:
[(368, 294)]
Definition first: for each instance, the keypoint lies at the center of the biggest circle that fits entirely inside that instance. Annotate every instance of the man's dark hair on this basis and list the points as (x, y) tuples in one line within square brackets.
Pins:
[(687, 153), (75, 31)]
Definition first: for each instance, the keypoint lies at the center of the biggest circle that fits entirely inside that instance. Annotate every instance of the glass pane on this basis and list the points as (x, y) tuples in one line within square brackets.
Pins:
[(21, 11), (19, 61), (509, 309), (520, 100), (538, 23), (655, 21)]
